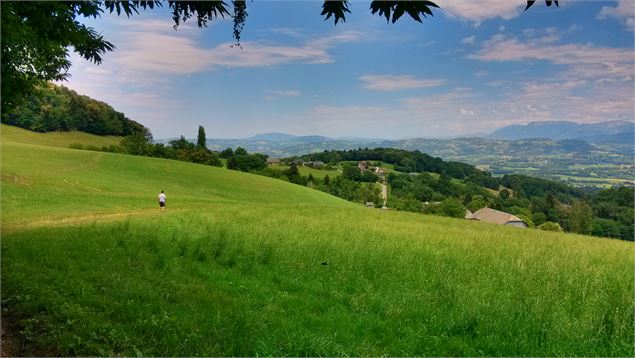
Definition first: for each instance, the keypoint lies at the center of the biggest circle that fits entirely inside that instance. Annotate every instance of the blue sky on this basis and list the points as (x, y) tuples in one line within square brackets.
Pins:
[(471, 68)]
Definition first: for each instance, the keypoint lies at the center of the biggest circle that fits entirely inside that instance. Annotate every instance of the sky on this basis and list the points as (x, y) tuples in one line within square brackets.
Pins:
[(471, 68)]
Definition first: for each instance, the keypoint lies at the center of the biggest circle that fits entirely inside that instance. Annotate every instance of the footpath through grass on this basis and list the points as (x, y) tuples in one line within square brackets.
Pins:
[(247, 265)]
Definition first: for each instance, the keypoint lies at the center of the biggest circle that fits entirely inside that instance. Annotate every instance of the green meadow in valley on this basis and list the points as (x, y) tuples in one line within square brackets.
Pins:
[(241, 264)]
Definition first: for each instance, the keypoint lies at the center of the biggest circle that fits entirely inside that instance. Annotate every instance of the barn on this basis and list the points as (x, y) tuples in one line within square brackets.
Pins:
[(496, 217)]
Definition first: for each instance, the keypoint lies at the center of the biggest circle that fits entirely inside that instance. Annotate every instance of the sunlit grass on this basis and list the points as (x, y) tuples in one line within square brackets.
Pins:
[(241, 264), (55, 139)]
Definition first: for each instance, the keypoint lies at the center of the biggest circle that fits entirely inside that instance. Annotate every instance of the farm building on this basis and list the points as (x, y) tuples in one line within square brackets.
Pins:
[(496, 217)]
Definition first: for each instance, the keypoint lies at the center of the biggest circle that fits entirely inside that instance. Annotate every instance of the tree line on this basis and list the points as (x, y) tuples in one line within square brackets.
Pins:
[(56, 108), (405, 161)]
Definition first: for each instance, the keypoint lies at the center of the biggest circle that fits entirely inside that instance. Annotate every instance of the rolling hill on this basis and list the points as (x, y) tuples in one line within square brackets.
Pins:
[(245, 265), (605, 163)]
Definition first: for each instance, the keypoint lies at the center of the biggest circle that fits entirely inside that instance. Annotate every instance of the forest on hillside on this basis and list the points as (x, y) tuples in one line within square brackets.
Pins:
[(56, 108)]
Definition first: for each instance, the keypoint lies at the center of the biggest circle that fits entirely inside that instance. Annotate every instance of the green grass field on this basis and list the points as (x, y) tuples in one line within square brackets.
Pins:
[(241, 264), (55, 139)]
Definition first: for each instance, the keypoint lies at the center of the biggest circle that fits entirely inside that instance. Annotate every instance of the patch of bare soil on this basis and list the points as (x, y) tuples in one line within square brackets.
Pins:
[(9, 343)]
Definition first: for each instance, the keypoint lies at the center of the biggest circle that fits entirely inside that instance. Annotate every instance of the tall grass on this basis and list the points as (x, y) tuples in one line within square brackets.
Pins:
[(248, 281), (247, 265)]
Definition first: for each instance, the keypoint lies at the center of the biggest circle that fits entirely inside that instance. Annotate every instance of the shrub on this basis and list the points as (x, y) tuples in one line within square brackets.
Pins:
[(550, 226)]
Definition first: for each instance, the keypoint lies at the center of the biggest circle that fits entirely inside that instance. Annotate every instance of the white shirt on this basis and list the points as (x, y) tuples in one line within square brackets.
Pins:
[(162, 198)]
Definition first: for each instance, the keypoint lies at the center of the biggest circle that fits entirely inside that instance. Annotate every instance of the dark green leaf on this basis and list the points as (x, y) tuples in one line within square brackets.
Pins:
[(335, 9)]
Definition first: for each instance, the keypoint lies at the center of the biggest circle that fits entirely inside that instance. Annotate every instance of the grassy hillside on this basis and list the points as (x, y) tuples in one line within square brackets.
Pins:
[(247, 265), (55, 139)]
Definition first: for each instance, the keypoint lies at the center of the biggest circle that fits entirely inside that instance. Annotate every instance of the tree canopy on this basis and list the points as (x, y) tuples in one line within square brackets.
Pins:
[(52, 108), (36, 36)]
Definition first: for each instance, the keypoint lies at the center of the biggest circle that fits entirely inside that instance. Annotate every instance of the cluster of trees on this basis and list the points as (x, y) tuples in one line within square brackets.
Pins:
[(613, 213), (407, 162), (57, 108), (178, 149), (352, 172), (341, 186), (350, 190), (239, 159)]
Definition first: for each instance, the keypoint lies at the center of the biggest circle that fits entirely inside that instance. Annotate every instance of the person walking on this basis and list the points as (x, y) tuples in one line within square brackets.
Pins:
[(162, 200)]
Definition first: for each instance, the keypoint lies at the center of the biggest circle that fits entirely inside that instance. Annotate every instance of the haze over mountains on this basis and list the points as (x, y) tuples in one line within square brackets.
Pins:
[(619, 132), (558, 136), (283, 137), (615, 132)]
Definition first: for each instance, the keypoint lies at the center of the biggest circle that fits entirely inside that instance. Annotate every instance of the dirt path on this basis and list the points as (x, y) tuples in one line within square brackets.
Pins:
[(82, 219), (384, 193)]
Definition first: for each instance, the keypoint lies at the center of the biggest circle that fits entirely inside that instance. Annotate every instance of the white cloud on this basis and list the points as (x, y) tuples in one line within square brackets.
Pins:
[(468, 40), (530, 32), (583, 60), (273, 94), (542, 36), (427, 44), (593, 78), (445, 113), (152, 46), (457, 95), (397, 82), (478, 11), (481, 73), (288, 31), (172, 54), (285, 93), (624, 12)]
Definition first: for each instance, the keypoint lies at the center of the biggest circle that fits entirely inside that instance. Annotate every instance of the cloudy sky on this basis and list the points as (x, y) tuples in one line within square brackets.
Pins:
[(473, 67)]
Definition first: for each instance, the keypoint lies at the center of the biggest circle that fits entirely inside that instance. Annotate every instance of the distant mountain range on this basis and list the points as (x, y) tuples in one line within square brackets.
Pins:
[(535, 138), (283, 137), (615, 132), (610, 132)]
